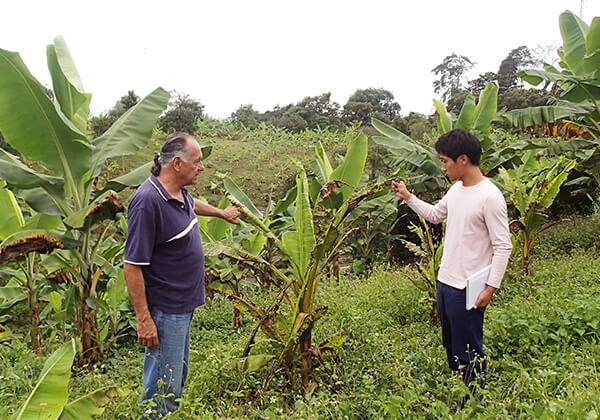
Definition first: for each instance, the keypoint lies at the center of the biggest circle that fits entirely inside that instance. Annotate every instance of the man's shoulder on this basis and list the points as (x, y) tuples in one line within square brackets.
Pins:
[(146, 194)]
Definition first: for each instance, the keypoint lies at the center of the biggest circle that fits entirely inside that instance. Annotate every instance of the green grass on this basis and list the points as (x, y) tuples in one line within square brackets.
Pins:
[(541, 335)]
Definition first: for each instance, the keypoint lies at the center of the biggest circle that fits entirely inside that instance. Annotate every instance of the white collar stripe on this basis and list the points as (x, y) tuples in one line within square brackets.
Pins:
[(185, 231), (158, 189)]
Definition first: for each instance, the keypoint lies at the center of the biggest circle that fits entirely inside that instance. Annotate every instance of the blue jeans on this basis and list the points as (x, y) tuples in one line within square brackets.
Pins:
[(462, 334), (166, 366)]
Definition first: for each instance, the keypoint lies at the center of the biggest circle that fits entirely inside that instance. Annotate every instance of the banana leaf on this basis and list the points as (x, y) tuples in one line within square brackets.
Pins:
[(539, 115), (575, 89), (299, 243), (42, 202), (131, 179), (444, 117), (467, 113), (352, 168), (33, 125), (103, 207), (91, 405), (484, 113), (242, 198), (34, 240), (591, 60), (49, 396), (324, 164), (11, 212), (217, 227), (131, 132), (20, 176), (573, 31), (66, 84)]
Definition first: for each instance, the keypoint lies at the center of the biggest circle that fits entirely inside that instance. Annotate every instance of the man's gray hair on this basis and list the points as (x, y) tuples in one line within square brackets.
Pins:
[(175, 146)]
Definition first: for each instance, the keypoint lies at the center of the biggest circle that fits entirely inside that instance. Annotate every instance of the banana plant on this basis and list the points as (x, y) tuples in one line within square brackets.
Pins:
[(532, 188), (578, 83), (430, 252), (23, 241), (52, 134), (376, 219), (422, 159), (307, 247), (48, 399), (225, 276)]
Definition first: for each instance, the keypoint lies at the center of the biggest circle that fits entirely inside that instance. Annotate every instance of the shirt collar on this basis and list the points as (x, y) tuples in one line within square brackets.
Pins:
[(161, 190)]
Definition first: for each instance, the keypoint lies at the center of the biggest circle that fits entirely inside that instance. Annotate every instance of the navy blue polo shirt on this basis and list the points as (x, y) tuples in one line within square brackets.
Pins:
[(164, 240)]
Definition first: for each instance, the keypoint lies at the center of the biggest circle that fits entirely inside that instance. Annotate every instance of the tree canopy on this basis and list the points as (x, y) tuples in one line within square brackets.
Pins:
[(452, 72), (182, 114)]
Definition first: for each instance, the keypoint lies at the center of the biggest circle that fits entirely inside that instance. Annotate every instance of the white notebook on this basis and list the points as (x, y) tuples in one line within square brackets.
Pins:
[(476, 283)]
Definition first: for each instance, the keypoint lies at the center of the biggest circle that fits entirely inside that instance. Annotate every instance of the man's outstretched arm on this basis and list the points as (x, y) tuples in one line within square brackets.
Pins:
[(231, 213)]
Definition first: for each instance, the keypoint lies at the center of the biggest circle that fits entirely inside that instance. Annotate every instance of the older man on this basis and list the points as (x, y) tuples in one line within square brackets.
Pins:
[(164, 267)]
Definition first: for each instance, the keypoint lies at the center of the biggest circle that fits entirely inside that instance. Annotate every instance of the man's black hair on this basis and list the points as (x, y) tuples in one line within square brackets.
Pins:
[(459, 142), (175, 145)]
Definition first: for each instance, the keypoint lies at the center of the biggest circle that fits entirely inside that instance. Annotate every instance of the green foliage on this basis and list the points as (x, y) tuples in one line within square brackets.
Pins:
[(48, 399), (451, 72), (309, 243), (577, 82), (517, 59), (532, 188), (478, 84), (392, 362), (310, 113), (519, 98), (246, 116), (61, 182), (182, 115), (374, 237), (429, 252), (365, 104), (98, 125), (415, 125)]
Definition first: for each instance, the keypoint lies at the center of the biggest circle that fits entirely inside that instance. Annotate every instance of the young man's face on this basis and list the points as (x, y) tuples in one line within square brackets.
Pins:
[(453, 169)]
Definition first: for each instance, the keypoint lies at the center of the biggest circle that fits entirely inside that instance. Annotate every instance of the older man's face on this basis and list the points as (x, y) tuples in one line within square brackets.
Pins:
[(192, 165)]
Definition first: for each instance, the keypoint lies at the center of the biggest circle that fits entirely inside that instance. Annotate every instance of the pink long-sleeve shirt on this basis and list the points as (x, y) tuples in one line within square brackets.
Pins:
[(476, 231)]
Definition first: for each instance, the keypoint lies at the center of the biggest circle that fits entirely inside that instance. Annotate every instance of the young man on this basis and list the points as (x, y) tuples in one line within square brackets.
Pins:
[(477, 234), (164, 267)]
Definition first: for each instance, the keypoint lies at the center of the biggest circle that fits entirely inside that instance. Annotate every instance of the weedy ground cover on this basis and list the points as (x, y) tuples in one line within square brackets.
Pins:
[(541, 335), (259, 160)]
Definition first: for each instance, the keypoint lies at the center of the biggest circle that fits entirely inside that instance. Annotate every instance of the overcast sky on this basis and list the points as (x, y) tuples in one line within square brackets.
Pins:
[(231, 52)]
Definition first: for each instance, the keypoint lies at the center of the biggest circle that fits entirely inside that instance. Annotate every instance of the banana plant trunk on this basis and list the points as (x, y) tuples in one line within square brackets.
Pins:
[(91, 344), (306, 363), (433, 313), (34, 319), (525, 250), (33, 304), (237, 318)]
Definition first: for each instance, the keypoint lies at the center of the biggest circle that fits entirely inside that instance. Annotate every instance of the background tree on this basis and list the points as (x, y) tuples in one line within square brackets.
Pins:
[(522, 98), (322, 111), (98, 125), (518, 59), (182, 114), (451, 72), (477, 85), (365, 104), (246, 115), (415, 124), (456, 101)]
